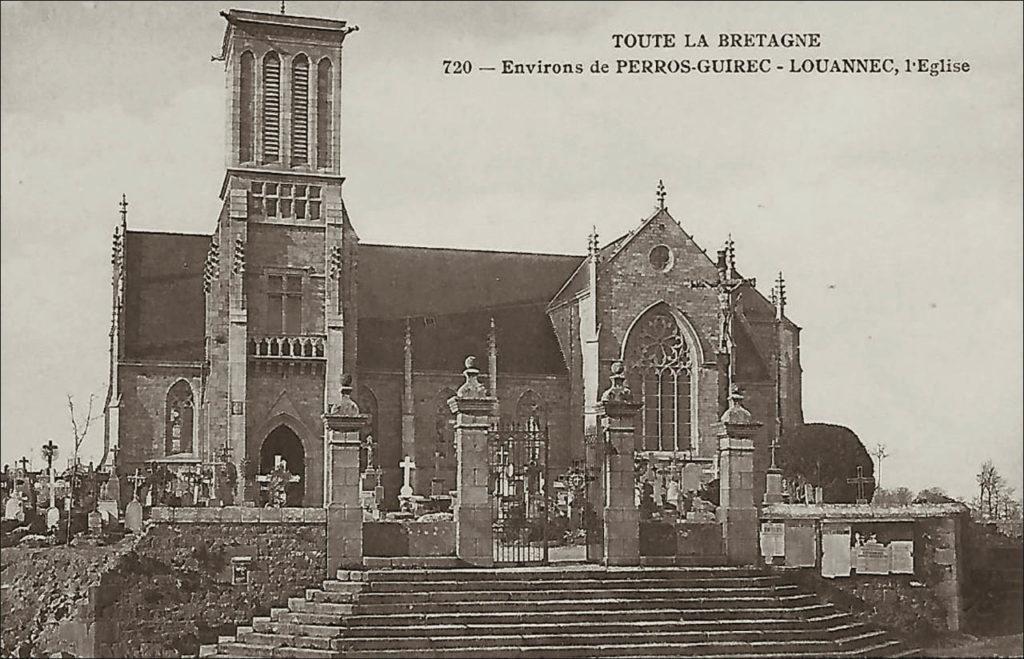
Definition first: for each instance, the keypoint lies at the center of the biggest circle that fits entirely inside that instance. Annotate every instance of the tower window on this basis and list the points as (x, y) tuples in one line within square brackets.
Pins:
[(286, 201), (246, 99), (284, 304), (271, 107), (324, 103), (300, 110)]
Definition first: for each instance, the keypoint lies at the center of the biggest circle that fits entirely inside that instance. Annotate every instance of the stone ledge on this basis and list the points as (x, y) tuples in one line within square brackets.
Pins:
[(237, 515), (857, 512)]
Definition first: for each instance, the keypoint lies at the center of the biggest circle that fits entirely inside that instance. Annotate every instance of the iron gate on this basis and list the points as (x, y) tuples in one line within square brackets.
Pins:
[(519, 494)]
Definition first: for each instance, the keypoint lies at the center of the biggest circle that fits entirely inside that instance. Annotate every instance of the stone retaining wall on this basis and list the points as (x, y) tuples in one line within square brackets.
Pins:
[(921, 603), (175, 591)]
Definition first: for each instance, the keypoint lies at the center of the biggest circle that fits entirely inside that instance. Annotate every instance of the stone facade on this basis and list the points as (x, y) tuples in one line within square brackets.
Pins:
[(289, 300)]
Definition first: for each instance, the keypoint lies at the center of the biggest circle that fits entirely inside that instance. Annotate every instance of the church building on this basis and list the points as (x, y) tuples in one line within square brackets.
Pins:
[(227, 347)]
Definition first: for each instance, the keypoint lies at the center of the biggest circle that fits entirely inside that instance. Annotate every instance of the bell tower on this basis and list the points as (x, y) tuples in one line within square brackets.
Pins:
[(280, 310)]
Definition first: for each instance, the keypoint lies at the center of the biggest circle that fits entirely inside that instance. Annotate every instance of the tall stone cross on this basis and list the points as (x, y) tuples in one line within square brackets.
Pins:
[(136, 479), (726, 284), (24, 465), (860, 481), (50, 452), (407, 466)]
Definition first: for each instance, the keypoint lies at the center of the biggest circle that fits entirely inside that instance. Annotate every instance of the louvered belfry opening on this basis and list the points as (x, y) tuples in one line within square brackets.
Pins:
[(300, 111), (324, 89), (246, 111), (271, 107)]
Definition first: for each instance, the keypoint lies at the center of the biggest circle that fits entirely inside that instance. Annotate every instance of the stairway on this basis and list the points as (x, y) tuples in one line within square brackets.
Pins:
[(563, 611)]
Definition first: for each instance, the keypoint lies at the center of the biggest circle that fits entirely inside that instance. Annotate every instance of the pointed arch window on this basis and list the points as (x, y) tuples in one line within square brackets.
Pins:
[(246, 110), (271, 107), (369, 438), (324, 104), (178, 419), (530, 411), (300, 111), (659, 368)]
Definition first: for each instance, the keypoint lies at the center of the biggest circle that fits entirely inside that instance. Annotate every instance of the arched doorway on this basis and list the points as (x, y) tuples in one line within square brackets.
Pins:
[(283, 444)]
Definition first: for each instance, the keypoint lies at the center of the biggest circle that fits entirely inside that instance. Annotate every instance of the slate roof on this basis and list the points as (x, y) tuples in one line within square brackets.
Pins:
[(164, 309), (397, 281), (450, 295)]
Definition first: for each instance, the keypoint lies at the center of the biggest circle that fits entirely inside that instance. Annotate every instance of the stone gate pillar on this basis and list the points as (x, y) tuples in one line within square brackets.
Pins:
[(475, 410), (736, 510), (342, 424), (617, 412)]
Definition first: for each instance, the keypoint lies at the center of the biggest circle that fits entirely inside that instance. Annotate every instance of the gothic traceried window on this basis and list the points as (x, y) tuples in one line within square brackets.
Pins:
[(271, 107), (658, 366), (324, 105), (246, 110), (179, 419), (529, 411), (300, 111)]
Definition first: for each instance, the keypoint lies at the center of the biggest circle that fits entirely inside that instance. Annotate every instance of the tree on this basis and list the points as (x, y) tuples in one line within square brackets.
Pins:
[(933, 495), (900, 496), (990, 484), (79, 429), (827, 455)]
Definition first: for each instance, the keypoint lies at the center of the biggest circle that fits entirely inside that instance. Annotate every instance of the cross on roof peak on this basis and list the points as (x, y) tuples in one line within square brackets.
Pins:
[(661, 194), (123, 205)]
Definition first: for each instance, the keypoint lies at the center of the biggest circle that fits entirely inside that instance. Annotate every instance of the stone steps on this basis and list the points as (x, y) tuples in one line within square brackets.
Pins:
[(371, 596), (545, 612), (567, 584)]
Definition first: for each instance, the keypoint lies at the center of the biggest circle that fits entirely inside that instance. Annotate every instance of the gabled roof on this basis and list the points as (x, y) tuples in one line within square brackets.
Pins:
[(164, 306), (399, 282)]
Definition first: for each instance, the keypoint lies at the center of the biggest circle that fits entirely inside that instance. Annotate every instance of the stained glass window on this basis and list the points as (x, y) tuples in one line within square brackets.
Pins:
[(658, 366)]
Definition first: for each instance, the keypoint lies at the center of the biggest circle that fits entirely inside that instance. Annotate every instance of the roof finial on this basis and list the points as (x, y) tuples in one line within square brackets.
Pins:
[(779, 296), (124, 209), (282, 6), (592, 241), (661, 194), (730, 255)]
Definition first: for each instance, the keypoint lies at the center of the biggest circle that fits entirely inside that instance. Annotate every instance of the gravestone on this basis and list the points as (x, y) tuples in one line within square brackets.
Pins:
[(801, 544), (53, 517), (133, 516), (13, 508), (773, 541), (691, 477), (902, 556), (835, 550), (95, 523)]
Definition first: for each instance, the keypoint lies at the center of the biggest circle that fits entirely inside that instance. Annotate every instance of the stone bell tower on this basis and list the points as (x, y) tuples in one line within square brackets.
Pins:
[(280, 299)]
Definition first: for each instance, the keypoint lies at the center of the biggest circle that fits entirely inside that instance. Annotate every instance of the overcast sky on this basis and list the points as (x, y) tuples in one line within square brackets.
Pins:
[(893, 204)]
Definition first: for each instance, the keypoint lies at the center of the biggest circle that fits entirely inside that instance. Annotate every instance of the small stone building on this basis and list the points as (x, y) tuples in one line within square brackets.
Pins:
[(229, 346)]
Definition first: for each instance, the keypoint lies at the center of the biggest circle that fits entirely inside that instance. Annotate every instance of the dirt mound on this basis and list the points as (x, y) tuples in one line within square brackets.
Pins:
[(42, 587)]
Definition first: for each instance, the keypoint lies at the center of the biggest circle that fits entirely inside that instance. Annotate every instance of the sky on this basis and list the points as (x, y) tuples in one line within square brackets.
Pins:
[(892, 203)]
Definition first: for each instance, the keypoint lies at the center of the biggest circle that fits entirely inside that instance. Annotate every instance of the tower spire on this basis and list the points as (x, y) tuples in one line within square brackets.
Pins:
[(661, 194)]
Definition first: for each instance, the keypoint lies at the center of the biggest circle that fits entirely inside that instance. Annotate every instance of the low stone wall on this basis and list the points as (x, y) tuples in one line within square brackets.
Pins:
[(198, 573), (904, 569), (681, 543), (409, 538)]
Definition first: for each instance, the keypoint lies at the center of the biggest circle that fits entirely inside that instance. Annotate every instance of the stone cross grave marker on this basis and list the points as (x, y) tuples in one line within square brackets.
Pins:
[(407, 466), (860, 481), (137, 479)]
